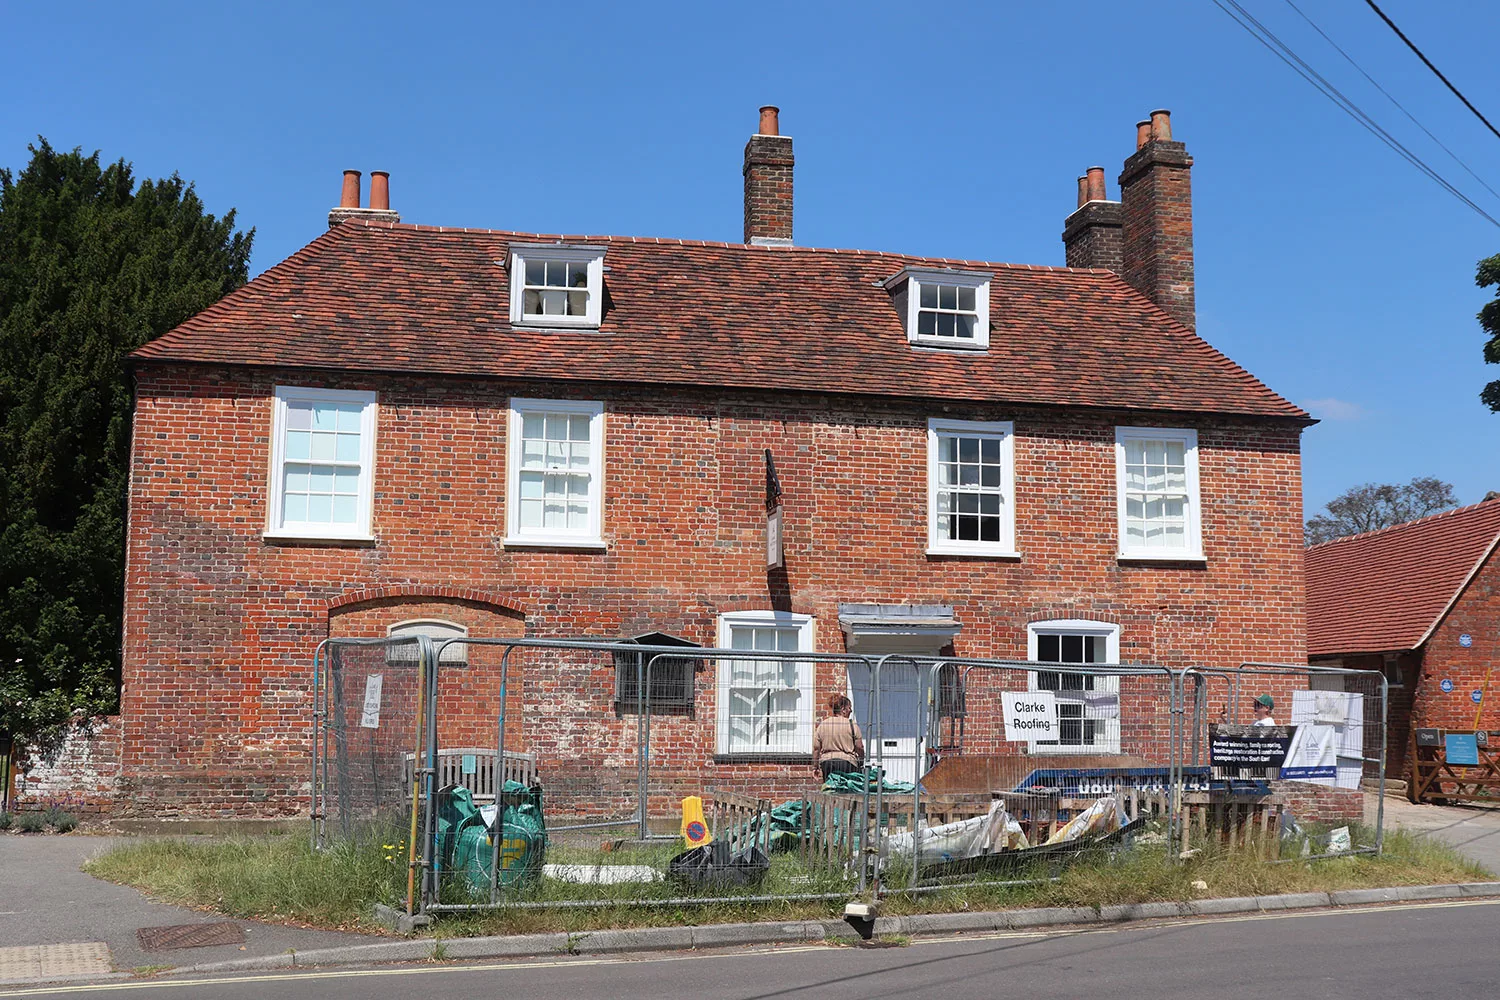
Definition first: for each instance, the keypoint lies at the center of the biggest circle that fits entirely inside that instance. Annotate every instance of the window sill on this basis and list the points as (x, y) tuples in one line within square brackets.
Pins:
[(544, 542), (945, 344), (975, 552), (1157, 558), (762, 758), (295, 538), (1047, 750), (552, 326)]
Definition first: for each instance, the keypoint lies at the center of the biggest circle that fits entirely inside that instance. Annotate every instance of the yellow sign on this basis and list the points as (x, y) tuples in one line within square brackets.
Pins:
[(694, 829)]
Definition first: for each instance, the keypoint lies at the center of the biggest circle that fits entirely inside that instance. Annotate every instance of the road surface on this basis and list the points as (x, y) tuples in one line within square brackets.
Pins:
[(1445, 950)]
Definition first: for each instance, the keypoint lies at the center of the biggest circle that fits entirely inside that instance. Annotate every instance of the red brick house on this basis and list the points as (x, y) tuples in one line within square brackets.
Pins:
[(1421, 602), (504, 434)]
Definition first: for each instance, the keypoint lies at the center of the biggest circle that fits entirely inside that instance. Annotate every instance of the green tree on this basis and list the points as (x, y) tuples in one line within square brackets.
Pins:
[(1379, 505), (92, 266), (1489, 321)]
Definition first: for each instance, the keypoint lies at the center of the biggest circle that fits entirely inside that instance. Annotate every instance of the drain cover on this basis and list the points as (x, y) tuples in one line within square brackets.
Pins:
[(189, 936)]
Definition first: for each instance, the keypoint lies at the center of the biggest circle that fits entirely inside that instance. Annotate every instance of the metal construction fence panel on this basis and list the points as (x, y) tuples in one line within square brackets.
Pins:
[(565, 773)]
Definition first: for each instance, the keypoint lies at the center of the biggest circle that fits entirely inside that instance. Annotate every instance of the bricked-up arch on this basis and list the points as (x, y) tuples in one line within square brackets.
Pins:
[(468, 692), (417, 591)]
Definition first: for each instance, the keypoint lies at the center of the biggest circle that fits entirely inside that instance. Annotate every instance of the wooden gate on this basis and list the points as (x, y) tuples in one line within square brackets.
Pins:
[(1433, 777)]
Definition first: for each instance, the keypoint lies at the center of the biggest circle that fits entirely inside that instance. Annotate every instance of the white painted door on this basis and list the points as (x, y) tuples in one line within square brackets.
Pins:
[(900, 748)]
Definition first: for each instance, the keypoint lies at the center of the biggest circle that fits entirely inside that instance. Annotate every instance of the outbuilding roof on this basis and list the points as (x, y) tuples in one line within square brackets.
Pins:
[(1386, 590), (389, 297)]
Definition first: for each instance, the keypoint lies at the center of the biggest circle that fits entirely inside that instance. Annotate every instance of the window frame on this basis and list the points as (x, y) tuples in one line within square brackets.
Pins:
[(460, 659), (593, 256), (1192, 508), (361, 530), (1076, 626), (805, 626), (908, 288), (593, 536), (1005, 548)]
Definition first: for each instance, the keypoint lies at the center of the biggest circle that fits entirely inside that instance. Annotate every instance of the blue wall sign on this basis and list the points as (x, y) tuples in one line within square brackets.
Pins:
[(1461, 748), (1447, 685), (1477, 695), (1466, 640)]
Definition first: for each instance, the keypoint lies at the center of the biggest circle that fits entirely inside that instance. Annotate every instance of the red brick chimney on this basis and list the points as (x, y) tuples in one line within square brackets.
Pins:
[(1092, 235), (768, 183), (1156, 200), (380, 199)]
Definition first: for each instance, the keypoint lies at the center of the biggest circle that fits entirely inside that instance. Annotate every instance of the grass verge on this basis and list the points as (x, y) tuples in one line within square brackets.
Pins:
[(281, 878)]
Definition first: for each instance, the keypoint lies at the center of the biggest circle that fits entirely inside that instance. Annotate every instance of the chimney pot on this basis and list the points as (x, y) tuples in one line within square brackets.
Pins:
[(1161, 125), (770, 123), (349, 198), (1083, 190), (380, 189), (1142, 133), (1095, 183)]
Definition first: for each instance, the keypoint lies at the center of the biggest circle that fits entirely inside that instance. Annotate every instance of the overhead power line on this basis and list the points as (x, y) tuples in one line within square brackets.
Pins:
[(1412, 45), (1282, 51), (1402, 108)]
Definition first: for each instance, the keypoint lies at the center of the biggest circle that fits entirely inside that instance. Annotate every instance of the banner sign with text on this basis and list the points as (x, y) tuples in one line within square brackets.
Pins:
[(1248, 746)]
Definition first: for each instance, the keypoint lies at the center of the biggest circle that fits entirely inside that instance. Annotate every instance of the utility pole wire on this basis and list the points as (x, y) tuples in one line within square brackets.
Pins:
[(1393, 100), (1283, 52), (1411, 45)]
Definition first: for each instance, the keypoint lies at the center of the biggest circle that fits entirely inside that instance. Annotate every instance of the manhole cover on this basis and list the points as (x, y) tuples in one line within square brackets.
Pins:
[(189, 936)]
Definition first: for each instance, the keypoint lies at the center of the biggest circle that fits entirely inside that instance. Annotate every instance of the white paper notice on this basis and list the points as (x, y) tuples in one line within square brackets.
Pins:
[(1030, 715), (370, 717)]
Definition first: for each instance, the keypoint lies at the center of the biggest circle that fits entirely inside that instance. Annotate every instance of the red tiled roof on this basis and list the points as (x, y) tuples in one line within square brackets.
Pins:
[(381, 297), (1384, 590)]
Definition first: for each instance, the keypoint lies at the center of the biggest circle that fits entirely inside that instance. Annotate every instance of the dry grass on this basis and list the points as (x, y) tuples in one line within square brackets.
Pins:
[(283, 879)]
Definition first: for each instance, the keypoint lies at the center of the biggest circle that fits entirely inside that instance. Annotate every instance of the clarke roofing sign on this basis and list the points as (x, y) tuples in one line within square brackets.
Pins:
[(1030, 715)]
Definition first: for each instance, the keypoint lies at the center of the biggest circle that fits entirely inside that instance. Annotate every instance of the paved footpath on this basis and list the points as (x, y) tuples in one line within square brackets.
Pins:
[(1474, 830), (45, 900)]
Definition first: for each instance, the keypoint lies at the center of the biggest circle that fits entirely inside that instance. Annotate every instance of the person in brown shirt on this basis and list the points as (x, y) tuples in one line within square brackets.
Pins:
[(838, 747)]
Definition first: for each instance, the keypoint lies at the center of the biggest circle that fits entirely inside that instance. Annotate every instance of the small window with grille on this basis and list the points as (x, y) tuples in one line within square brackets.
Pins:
[(670, 684)]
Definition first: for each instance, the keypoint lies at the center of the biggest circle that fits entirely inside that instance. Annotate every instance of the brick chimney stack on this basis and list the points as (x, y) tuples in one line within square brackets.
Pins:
[(1092, 234), (380, 199), (768, 183), (1156, 200)]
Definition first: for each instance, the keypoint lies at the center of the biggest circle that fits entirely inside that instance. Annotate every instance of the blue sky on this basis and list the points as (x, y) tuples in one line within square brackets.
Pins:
[(1326, 265)]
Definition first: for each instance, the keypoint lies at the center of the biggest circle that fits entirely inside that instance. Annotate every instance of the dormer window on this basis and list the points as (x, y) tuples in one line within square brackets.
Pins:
[(556, 285), (943, 308)]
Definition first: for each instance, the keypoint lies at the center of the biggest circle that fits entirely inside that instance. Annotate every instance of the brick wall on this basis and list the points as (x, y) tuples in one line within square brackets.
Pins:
[(220, 624), (1312, 803), (1476, 613), (84, 775)]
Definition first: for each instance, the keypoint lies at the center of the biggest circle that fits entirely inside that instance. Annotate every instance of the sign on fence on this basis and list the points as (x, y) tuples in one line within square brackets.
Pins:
[(1313, 755), (1248, 746), (1461, 748), (1030, 715), (370, 717), (1092, 782)]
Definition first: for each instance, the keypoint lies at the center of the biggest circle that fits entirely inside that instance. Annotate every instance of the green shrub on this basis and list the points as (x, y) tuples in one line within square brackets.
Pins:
[(4, 821), (31, 822), (62, 822)]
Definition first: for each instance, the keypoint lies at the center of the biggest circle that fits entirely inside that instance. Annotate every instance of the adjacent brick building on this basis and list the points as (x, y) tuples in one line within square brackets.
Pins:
[(503, 434), (1420, 602)]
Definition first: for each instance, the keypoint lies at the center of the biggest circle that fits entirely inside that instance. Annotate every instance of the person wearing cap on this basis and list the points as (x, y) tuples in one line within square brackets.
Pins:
[(1263, 708)]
